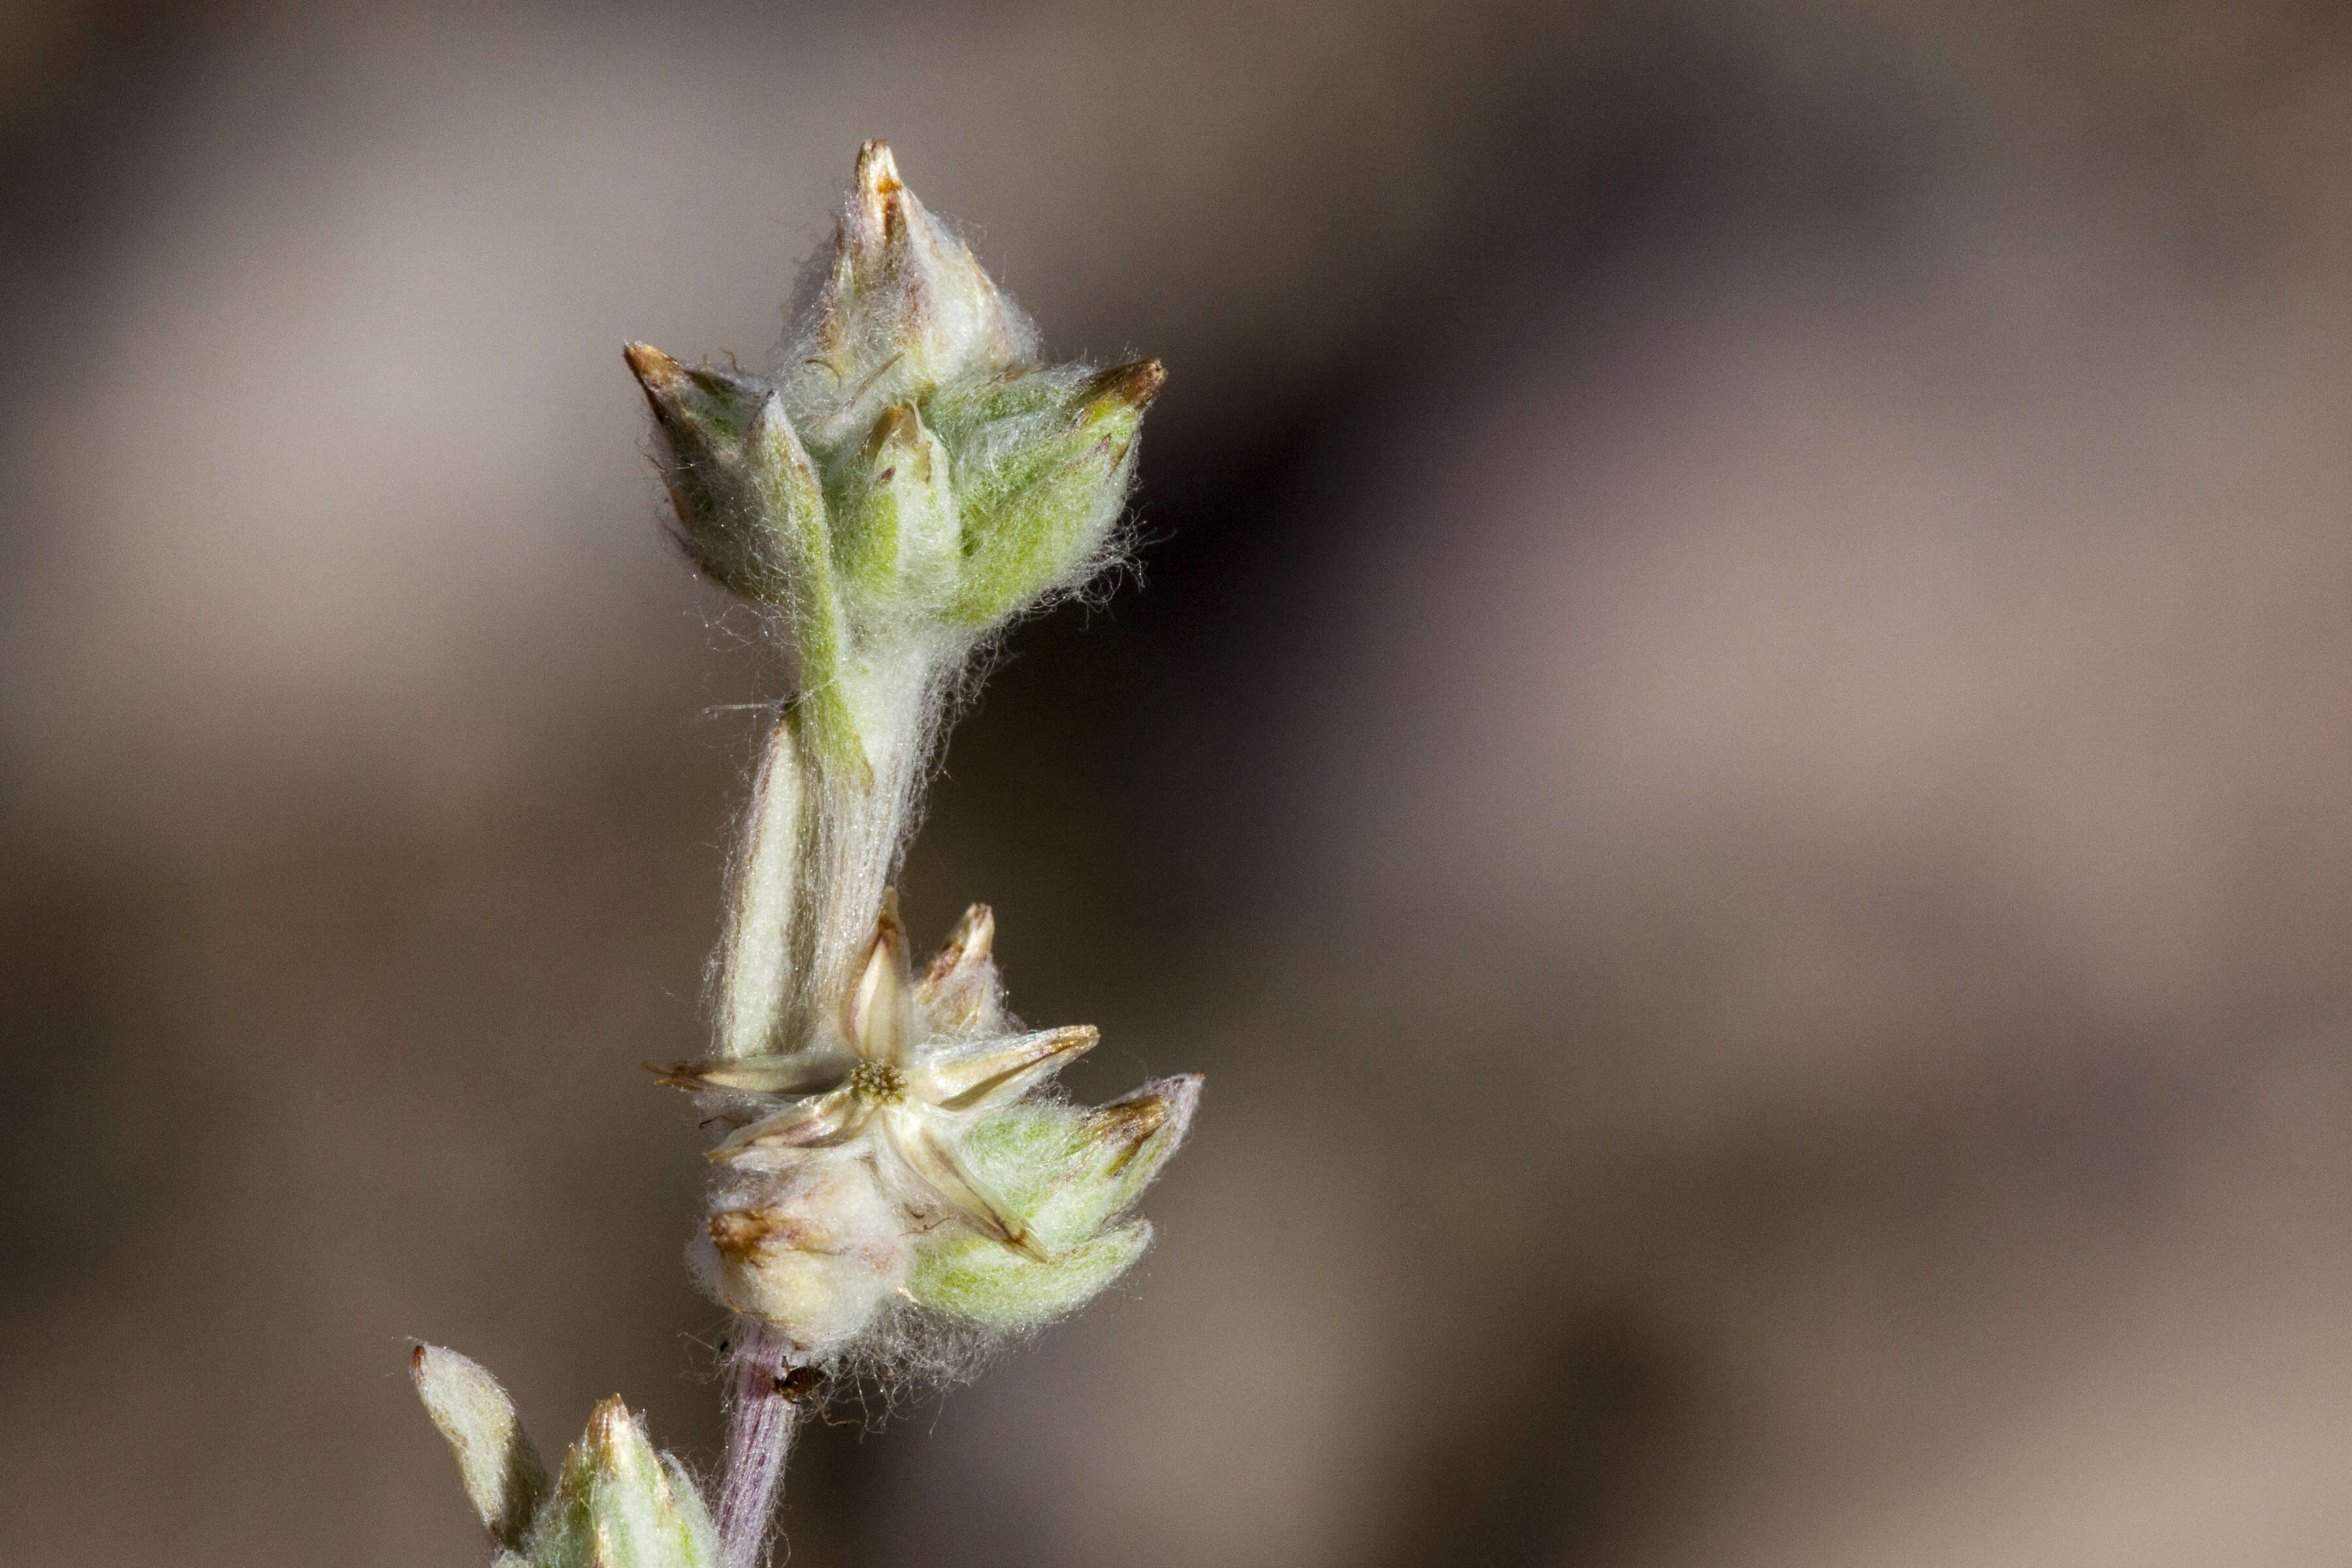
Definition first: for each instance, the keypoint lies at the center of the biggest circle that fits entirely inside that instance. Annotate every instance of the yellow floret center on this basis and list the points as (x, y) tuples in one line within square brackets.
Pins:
[(878, 1082)]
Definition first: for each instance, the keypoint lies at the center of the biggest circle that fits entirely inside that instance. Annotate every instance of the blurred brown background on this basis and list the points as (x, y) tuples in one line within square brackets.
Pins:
[(1732, 749)]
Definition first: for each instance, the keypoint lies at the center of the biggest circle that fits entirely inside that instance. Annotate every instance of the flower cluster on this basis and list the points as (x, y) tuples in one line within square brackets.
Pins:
[(906, 1154), (911, 480)]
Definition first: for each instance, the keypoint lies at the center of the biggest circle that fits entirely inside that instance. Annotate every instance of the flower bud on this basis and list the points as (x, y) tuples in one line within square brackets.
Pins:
[(700, 417), (619, 1505), (622, 1505), (905, 308), (897, 538)]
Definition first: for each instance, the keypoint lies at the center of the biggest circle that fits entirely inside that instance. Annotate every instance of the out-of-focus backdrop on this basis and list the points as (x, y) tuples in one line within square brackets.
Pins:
[(1732, 746)]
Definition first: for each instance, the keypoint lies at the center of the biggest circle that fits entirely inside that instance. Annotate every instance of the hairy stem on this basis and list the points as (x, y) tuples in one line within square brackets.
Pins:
[(765, 946), (760, 1419)]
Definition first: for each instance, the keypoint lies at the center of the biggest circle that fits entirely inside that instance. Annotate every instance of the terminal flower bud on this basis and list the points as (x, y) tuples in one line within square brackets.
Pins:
[(905, 309)]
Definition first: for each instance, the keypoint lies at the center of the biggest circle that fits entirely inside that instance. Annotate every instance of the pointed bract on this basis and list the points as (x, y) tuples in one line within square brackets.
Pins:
[(975, 1078), (505, 1479), (1041, 470), (896, 537), (928, 1147), (878, 1016), (800, 1072), (1067, 1171), (700, 419), (757, 1000), (989, 1284), (622, 1505), (820, 1122), (959, 991)]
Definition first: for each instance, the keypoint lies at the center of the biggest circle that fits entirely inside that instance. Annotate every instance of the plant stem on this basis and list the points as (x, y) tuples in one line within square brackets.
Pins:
[(760, 1424)]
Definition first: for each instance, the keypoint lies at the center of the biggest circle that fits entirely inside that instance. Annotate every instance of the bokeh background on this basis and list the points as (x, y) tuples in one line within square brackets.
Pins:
[(1730, 744)]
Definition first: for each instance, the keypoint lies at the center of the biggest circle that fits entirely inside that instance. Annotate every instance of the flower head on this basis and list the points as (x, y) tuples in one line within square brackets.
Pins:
[(909, 1152)]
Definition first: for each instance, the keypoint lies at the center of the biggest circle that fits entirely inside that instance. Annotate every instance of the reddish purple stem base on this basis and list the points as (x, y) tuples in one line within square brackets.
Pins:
[(760, 1421)]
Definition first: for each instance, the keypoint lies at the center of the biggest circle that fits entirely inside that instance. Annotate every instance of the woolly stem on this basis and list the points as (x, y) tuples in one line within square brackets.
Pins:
[(758, 958), (858, 822), (760, 1424), (794, 881)]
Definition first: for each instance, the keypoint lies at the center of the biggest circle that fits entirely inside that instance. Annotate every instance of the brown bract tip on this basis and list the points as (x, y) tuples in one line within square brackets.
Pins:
[(878, 170), (736, 1230), (1135, 384), (743, 1231), (655, 371), (898, 427), (968, 943), (1132, 1121), (877, 186), (609, 1429)]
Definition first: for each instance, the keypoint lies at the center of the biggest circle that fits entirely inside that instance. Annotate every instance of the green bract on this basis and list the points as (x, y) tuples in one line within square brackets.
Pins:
[(1066, 1174)]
